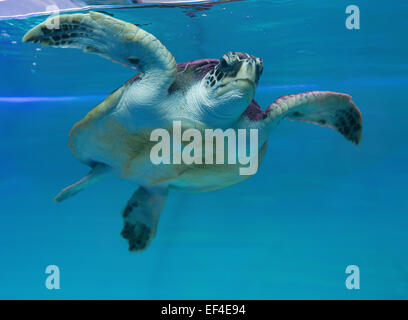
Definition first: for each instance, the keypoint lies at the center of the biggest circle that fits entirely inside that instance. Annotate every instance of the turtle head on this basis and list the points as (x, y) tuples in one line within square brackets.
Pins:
[(236, 71), (232, 83)]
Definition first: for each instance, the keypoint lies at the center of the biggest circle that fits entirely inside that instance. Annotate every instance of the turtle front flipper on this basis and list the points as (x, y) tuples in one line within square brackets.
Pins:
[(335, 110), (108, 37), (141, 216)]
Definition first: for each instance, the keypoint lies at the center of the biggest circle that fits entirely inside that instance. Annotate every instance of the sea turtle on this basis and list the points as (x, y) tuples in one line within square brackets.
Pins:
[(115, 136)]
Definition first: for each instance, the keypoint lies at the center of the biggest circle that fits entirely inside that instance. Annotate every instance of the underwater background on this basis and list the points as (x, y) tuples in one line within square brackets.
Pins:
[(317, 204)]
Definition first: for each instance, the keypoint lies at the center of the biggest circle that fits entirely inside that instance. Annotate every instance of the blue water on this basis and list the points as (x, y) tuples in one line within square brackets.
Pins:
[(317, 204)]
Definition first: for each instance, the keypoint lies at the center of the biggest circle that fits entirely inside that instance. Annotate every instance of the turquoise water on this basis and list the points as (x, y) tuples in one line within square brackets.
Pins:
[(317, 204)]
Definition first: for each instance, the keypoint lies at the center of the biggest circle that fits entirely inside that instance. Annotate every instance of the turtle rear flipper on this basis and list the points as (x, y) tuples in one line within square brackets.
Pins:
[(108, 37), (141, 216), (97, 172)]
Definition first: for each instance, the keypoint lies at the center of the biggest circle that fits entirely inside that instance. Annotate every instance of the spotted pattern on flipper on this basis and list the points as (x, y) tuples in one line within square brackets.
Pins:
[(325, 108), (108, 37), (129, 208), (138, 235), (68, 33), (348, 123)]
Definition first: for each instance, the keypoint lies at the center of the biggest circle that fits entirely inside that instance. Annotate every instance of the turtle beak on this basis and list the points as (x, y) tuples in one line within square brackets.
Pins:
[(251, 69)]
